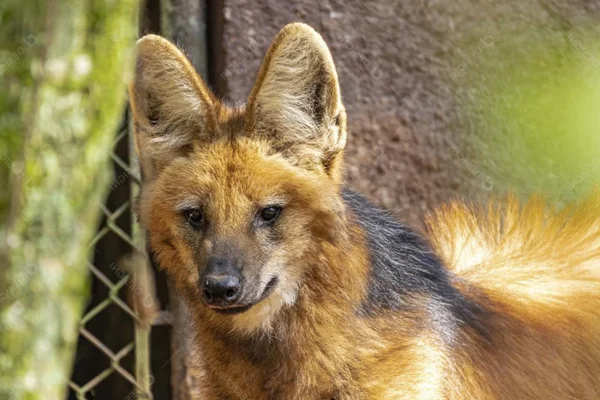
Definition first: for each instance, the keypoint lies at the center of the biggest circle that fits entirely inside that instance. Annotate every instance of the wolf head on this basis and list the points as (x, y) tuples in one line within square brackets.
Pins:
[(239, 202)]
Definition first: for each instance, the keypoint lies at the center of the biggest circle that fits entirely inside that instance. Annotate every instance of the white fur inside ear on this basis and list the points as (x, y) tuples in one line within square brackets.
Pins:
[(286, 96), (297, 101), (171, 105), (172, 110)]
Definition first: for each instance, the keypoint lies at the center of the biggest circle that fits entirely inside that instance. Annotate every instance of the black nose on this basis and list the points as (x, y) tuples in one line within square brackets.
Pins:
[(221, 290), (221, 285)]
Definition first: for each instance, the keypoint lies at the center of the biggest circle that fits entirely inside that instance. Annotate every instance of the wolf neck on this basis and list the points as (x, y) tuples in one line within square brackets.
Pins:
[(406, 277)]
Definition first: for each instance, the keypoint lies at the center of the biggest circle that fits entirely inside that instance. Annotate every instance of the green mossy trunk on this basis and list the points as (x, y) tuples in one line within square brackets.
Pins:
[(62, 68)]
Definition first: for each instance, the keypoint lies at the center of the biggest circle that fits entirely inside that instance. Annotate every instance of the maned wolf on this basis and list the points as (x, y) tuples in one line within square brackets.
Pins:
[(301, 289)]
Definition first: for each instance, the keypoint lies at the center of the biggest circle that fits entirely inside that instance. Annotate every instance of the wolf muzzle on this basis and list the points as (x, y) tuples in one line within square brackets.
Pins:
[(221, 284)]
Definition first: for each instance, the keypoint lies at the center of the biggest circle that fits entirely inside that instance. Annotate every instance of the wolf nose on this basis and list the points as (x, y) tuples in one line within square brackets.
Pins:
[(221, 290)]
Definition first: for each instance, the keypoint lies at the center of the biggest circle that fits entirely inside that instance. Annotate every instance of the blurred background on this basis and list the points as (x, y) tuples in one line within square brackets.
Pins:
[(461, 99)]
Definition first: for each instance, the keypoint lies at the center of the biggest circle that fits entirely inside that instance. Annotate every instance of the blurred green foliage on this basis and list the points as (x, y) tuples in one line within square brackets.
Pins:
[(19, 26), (531, 107)]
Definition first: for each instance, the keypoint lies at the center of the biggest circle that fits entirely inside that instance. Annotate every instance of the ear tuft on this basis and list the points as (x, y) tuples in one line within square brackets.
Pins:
[(295, 103), (171, 105)]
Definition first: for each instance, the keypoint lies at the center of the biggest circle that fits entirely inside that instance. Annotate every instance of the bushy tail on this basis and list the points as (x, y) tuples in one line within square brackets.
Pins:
[(536, 272), (530, 252)]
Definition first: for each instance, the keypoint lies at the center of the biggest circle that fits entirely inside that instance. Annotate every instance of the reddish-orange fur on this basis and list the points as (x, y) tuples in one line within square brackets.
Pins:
[(534, 270)]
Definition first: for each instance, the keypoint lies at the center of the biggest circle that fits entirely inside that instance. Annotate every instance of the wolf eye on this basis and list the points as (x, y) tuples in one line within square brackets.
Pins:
[(194, 217), (270, 214)]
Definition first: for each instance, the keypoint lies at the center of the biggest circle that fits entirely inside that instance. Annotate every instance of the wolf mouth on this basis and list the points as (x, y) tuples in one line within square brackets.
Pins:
[(240, 309)]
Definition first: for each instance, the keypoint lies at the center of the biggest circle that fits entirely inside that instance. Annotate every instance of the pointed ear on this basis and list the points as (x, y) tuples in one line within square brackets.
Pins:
[(171, 105), (295, 104)]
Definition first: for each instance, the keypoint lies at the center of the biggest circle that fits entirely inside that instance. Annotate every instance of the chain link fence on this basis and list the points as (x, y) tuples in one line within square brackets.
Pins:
[(113, 354)]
